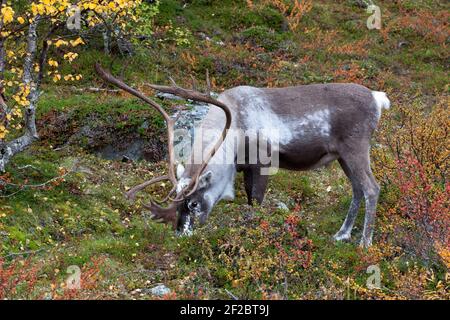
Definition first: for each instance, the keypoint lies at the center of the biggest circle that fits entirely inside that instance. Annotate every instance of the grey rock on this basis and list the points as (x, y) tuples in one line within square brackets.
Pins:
[(160, 290), (169, 96), (282, 206)]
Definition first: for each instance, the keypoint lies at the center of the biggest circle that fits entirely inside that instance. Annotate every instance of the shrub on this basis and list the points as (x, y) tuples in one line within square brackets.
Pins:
[(25, 279), (412, 164), (16, 277), (292, 10), (257, 258), (427, 206), (263, 37)]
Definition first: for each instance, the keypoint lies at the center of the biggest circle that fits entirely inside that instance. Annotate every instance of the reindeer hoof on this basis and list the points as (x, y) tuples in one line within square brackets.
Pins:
[(341, 236), (365, 243)]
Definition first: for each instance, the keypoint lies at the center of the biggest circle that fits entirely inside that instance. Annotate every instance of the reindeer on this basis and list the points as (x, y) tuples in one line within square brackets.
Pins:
[(315, 124)]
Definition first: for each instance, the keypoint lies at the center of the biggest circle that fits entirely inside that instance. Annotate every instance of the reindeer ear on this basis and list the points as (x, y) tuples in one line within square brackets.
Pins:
[(205, 180), (180, 171)]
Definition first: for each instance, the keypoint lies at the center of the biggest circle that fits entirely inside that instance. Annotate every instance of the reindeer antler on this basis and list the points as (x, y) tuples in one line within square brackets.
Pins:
[(169, 214)]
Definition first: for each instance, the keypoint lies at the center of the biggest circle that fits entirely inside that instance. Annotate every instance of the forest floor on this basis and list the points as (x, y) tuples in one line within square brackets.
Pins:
[(79, 216)]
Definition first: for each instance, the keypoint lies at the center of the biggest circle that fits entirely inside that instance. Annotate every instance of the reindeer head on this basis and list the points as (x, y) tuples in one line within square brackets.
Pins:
[(197, 206), (188, 199)]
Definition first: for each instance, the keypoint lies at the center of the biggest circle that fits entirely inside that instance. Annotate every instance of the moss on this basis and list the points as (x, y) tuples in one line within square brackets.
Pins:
[(263, 36)]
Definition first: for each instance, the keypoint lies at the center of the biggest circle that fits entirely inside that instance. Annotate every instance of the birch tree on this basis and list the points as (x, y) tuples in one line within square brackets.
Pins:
[(34, 43)]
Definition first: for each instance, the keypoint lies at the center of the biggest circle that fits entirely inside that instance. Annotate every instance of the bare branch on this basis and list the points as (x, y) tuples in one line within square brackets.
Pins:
[(94, 89), (43, 55)]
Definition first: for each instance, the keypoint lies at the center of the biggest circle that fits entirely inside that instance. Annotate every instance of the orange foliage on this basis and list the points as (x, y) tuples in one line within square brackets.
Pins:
[(16, 274), (350, 73), (357, 48), (427, 205), (432, 26), (411, 162), (90, 274)]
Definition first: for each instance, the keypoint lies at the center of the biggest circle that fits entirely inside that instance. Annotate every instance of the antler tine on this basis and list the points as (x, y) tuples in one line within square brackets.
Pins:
[(109, 78), (131, 194), (167, 215), (197, 96), (170, 129)]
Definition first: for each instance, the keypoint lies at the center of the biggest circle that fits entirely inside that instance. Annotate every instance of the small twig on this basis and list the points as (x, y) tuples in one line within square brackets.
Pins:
[(13, 254), (28, 166), (64, 146), (39, 185), (94, 89), (11, 194), (231, 295)]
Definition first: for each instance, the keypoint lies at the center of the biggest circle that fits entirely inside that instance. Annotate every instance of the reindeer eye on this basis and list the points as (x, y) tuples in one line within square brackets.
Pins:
[(192, 204)]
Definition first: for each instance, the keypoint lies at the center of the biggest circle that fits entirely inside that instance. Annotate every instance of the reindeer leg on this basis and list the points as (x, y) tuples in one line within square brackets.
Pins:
[(361, 173), (255, 185), (248, 183), (371, 194), (259, 185), (345, 231)]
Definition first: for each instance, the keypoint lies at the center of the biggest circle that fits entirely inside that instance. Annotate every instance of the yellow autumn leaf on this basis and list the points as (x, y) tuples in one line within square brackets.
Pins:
[(24, 103), (60, 43), (76, 42), (8, 14), (56, 78), (52, 63)]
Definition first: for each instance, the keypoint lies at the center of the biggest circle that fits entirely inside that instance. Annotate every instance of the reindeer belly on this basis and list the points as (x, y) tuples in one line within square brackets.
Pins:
[(302, 156)]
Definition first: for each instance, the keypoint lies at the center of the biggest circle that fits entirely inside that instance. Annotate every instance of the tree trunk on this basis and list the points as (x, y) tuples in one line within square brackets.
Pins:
[(11, 148), (107, 41)]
